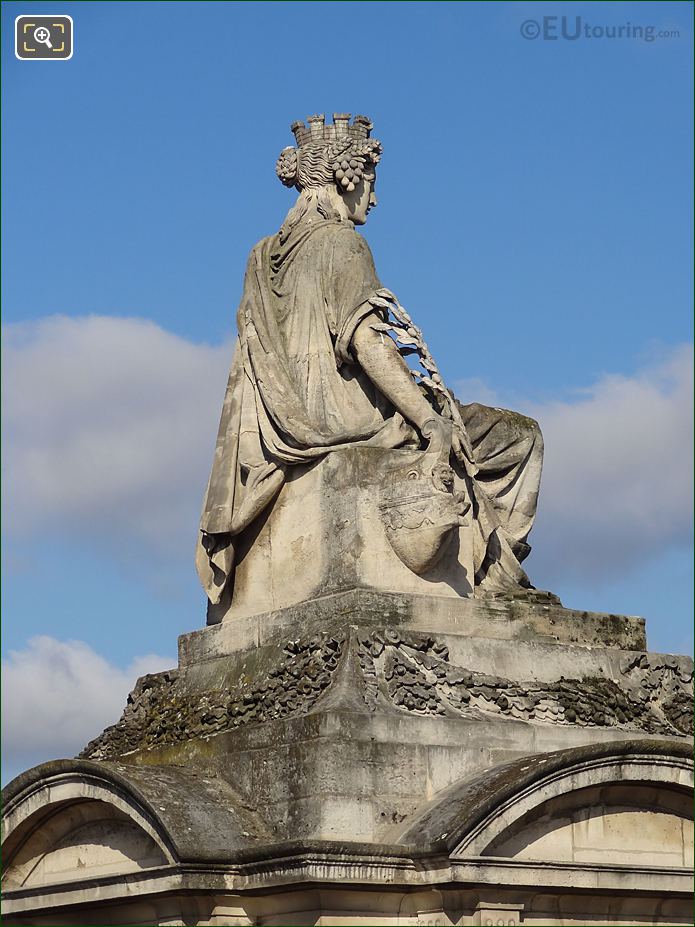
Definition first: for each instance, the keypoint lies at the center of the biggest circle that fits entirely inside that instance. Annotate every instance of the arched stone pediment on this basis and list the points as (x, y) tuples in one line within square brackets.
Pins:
[(76, 820), (617, 803), (623, 823), (80, 839)]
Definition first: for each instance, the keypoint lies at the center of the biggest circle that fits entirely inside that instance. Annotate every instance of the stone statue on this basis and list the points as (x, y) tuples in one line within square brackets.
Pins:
[(319, 367), (381, 705)]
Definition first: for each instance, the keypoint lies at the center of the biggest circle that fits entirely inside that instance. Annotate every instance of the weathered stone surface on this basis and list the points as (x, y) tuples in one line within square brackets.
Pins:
[(463, 819), (319, 370), (343, 732), (165, 709), (367, 754), (198, 816), (326, 534), (402, 669), (533, 620), (490, 846)]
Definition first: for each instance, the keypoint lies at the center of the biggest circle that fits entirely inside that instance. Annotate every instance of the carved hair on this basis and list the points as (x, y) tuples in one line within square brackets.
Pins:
[(343, 163), (340, 154)]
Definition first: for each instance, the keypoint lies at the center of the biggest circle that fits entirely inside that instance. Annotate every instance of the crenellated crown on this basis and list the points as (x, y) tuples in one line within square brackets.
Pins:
[(320, 133)]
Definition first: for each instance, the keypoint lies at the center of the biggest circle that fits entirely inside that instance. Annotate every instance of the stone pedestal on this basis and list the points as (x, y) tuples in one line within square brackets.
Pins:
[(325, 534), (374, 757), (339, 717)]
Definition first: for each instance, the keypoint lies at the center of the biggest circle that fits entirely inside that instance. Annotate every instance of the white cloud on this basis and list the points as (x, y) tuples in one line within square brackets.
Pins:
[(109, 429), (58, 695), (475, 390), (617, 479)]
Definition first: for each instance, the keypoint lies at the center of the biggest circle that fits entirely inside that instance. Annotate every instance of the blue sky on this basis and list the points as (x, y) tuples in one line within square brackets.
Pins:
[(535, 217)]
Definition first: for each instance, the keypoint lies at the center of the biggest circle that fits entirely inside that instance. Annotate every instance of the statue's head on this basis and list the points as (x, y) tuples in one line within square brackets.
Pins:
[(339, 160)]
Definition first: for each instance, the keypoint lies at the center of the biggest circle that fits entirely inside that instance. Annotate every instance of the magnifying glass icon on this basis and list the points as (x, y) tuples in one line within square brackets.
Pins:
[(43, 35)]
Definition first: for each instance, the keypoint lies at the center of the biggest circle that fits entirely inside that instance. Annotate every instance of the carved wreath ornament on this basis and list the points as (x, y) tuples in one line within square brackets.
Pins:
[(403, 671)]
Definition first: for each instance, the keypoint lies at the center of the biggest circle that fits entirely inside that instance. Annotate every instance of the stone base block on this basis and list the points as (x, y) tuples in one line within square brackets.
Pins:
[(520, 619), (370, 757), (341, 716), (325, 534)]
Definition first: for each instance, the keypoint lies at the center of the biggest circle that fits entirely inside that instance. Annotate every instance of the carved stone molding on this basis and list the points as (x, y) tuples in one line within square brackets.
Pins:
[(160, 711), (406, 671), (413, 673), (664, 684)]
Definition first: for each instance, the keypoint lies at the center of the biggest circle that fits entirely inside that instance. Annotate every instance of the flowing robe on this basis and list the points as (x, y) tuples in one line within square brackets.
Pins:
[(295, 393)]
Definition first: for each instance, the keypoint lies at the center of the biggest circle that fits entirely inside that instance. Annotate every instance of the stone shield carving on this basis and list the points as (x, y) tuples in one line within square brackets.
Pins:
[(420, 507)]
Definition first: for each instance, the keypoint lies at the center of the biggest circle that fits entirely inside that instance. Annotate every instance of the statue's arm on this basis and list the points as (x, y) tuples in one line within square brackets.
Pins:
[(381, 360), (352, 275)]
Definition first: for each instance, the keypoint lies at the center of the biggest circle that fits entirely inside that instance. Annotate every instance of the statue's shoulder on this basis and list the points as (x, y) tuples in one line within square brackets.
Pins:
[(256, 253), (337, 243), (345, 231), (344, 238), (261, 245)]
